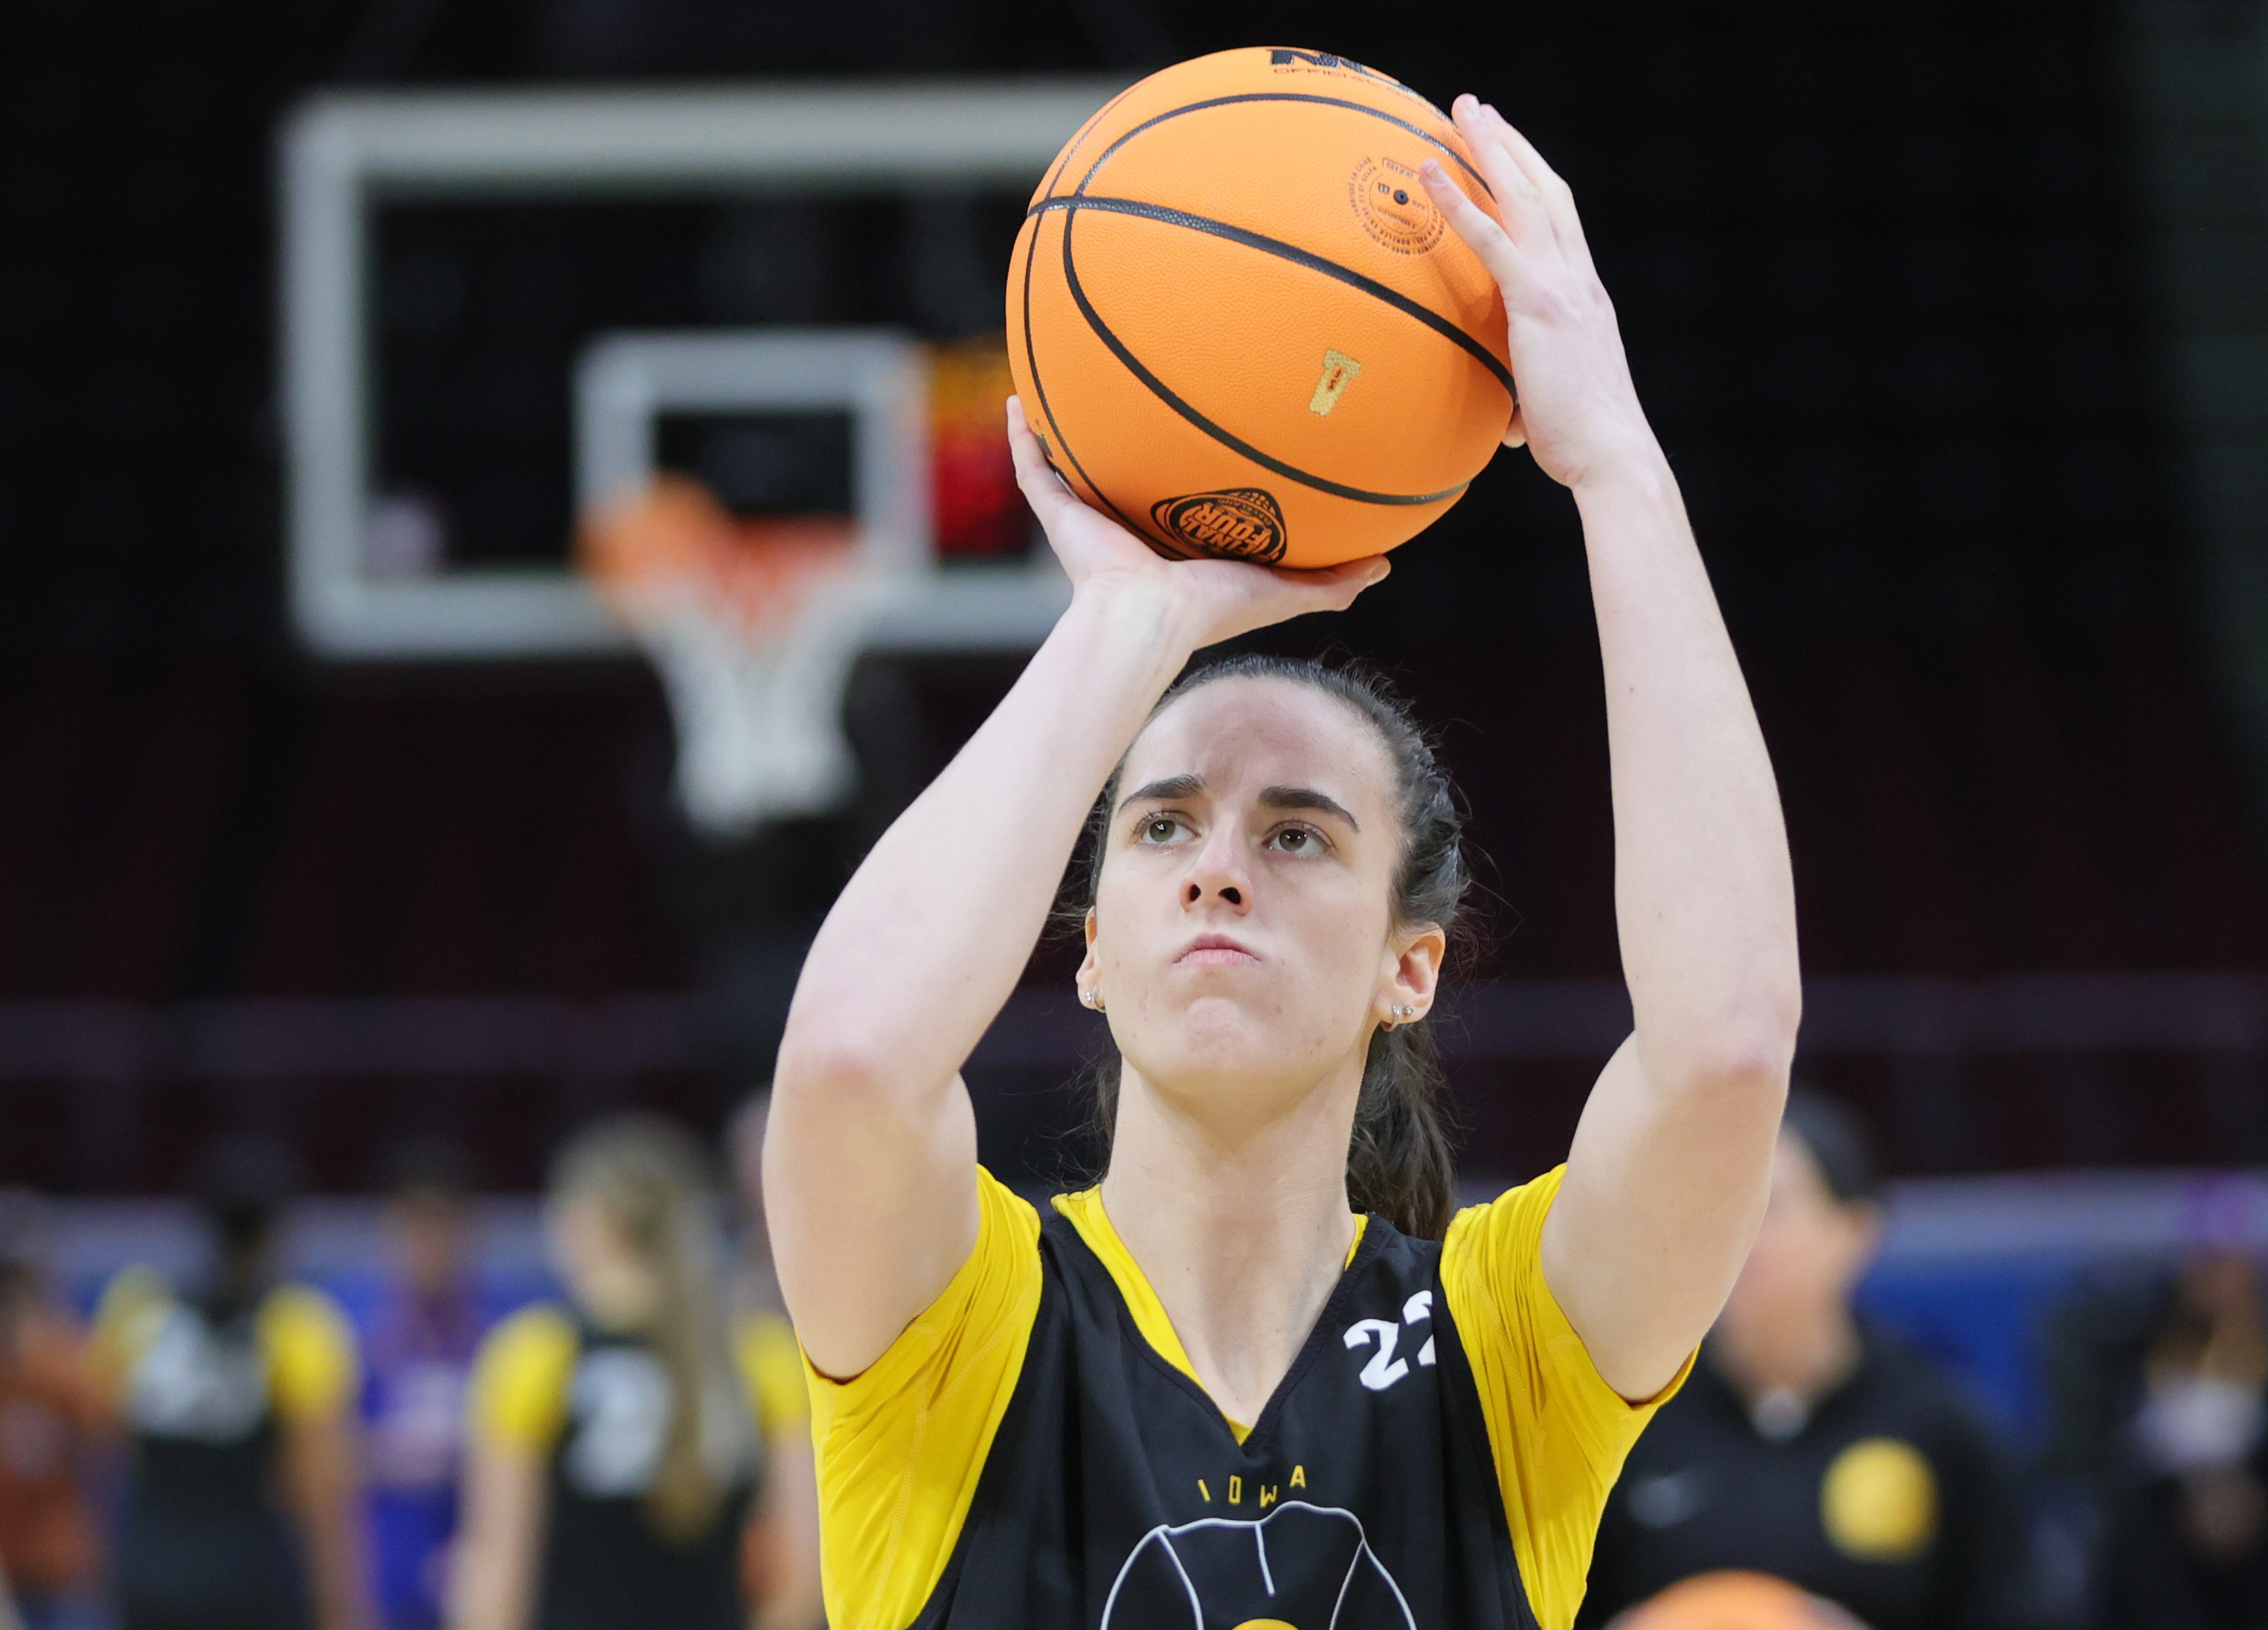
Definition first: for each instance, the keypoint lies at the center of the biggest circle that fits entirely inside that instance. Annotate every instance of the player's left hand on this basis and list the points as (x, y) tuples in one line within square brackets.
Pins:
[(1578, 411)]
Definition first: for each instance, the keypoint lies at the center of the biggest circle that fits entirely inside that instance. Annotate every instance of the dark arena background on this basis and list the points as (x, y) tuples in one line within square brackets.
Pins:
[(1909, 299), (1953, 319)]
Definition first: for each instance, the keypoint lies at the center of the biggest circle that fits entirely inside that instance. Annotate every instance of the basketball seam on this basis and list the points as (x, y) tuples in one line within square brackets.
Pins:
[(1419, 131), (1032, 364), (1227, 438), (1079, 139), (1292, 253)]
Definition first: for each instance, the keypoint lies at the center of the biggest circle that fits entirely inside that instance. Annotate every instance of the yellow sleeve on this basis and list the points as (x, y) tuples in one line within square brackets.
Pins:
[(1559, 1433), (771, 1368), (518, 1396), (900, 1448), (314, 1367)]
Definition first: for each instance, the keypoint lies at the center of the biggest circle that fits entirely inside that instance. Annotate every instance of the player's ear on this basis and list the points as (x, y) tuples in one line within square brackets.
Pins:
[(1089, 967), (1414, 972)]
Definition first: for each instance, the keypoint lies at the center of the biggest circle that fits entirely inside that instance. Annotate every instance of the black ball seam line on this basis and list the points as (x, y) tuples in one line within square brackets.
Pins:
[(1079, 139), (1227, 438), (1417, 130), (1292, 253), (1032, 366)]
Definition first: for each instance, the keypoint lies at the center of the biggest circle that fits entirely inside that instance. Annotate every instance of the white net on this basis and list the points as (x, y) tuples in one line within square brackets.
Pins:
[(752, 627)]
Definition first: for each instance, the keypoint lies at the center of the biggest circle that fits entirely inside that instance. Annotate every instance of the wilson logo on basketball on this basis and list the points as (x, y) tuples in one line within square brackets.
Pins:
[(1243, 523), (1393, 207)]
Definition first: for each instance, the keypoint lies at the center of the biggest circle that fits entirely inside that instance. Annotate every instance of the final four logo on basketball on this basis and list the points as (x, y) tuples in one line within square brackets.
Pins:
[(1243, 523)]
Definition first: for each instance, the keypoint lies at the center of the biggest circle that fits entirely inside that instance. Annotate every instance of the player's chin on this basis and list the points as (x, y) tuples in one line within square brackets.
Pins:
[(1219, 1045)]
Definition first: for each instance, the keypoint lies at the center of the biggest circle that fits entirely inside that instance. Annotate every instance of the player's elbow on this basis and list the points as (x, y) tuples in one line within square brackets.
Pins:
[(831, 1062), (1747, 1047)]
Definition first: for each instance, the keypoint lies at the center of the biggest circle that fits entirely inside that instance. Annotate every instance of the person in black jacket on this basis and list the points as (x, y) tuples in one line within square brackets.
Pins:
[(2187, 1530), (1811, 1447)]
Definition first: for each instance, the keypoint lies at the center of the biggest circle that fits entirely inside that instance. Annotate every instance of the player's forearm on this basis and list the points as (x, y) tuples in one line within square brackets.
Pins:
[(492, 1572), (1705, 900), (322, 1476), (1666, 1177), (927, 940)]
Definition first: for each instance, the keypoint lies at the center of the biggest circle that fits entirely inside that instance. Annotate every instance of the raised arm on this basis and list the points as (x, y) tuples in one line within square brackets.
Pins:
[(1666, 1182), (870, 1157)]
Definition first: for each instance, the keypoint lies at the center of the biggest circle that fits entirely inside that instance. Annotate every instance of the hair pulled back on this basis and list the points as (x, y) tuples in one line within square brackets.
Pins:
[(1399, 1162), (652, 1180)]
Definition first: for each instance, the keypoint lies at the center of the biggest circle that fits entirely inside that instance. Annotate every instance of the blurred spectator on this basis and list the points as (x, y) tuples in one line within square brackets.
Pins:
[(781, 1563), (2187, 1547), (617, 1456), (52, 1416), (1808, 1446), (429, 1321), (238, 1395)]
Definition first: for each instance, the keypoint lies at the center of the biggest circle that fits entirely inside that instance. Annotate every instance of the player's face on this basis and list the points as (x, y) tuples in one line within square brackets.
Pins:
[(429, 1232), (1242, 939), (604, 1273)]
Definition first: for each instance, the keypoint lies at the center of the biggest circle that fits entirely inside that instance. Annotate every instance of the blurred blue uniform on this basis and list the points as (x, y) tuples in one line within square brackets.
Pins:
[(420, 1353)]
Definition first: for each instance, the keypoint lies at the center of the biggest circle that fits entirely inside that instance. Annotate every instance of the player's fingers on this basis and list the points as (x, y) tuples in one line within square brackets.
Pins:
[(1366, 571), (1517, 201), (1045, 490), (1559, 197), (1515, 434), (1476, 227), (1333, 588)]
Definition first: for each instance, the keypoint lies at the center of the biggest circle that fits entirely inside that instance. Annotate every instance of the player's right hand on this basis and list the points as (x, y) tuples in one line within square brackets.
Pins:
[(1208, 600)]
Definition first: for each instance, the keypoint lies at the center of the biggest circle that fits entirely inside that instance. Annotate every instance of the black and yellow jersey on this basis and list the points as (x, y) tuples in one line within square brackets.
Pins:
[(1034, 1452), (203, 1387), (595, 1405)]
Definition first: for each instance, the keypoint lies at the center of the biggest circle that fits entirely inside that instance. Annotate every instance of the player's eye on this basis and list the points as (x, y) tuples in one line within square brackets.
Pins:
[(1297, 840), (1159, 829)]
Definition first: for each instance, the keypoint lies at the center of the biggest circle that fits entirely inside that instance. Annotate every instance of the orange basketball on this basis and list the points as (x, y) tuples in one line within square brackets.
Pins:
[(1240, 325)]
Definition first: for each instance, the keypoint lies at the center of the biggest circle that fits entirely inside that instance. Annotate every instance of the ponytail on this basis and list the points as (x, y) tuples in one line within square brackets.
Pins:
[(1400, 1163), (652, 1179)]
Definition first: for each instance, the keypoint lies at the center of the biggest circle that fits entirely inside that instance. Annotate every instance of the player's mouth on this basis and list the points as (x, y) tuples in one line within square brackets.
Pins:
[(1214, 951)]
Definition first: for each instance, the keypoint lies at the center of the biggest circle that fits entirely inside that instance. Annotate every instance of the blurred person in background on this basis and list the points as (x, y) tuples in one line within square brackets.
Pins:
[(780, 1565), (1811, 1447), (238, 1392), (617, 1456), (53, 1419), (2187, 1546), (429, 1321)]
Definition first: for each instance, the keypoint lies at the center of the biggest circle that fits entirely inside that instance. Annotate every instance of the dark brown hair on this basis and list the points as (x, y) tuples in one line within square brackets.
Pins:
[(1399, 1162)]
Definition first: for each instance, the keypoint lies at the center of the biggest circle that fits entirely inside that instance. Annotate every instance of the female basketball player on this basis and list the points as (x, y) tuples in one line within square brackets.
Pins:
[(1210, 1392), (624, 1449)]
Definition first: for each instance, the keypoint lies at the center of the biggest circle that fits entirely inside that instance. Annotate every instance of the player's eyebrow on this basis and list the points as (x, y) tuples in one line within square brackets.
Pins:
[(1170, 787), (1305, 797)]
